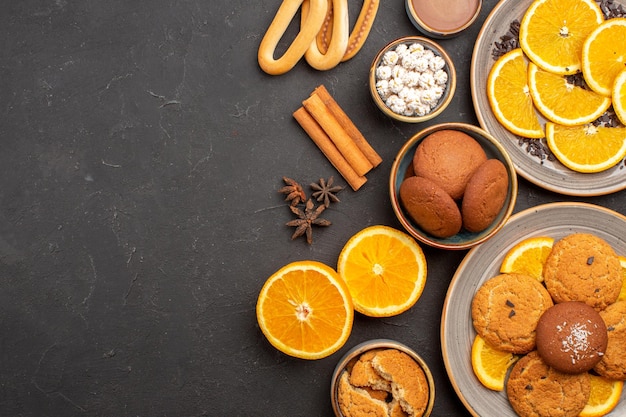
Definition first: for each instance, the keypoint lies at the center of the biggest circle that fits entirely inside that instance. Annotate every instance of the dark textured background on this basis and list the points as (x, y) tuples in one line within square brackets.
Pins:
[(141, 151)]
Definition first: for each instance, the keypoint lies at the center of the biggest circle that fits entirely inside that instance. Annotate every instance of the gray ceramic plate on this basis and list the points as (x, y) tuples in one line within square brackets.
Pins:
[(483, 262), (552, 176)]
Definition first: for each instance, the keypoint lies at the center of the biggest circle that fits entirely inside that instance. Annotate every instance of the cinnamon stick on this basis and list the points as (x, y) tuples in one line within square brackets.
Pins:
[(328, 148), (337, 134), (350, 128)]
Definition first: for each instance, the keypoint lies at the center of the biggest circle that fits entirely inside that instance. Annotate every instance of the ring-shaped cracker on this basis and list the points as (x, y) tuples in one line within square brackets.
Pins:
[(310, 27)]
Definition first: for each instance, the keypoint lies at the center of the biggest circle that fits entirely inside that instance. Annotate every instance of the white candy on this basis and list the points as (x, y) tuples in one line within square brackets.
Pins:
[(411, 79), (383, 72), (390, 58)]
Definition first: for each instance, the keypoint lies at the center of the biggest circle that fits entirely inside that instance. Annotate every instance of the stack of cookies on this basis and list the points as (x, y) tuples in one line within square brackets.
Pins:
[(565, 328), (453, 185)]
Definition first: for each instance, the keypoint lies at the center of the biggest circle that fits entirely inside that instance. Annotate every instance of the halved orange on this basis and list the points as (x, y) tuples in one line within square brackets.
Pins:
[(622, 293), (305, 310), (604, 55), (618, 96), (605, 395), (385, 270), (563, 102), (490, 365), (528, 257), (552, 32), (587, 148), (509, 96)]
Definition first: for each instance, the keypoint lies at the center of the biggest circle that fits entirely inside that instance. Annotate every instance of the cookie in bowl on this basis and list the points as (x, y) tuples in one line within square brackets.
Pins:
[(431, 175)]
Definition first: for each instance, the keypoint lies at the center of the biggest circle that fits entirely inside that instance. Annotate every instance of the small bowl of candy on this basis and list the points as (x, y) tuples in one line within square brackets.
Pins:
[(412, 79)]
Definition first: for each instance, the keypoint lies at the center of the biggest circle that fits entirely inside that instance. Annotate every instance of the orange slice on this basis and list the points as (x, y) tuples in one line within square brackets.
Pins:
[(528, 257), (509, 96), (490, 365), (552, 32), (385, 270), (604, 55), (587, 148), (618, 96), (605, 395), (304, 309), (560, 101), (622, 293)]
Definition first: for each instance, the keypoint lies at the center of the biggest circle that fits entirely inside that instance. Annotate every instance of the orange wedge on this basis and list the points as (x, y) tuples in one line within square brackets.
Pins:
[(509, 96), (622, 293), (587, 148), (490, 365), (604, 55), (605, 394), (528, 257), (305, 310), (384, 269), (618, 96), (552, 32), (563, 102)]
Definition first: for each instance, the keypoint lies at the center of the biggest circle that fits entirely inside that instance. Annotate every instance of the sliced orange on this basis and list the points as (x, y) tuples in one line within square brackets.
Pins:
[(618, 96), (385, 270), (587, 148), (604, 55), (304, 309), (605, 394), (561, 101), (509, 96), (552, 32), (490, 365), (622, 293), (528, 257)]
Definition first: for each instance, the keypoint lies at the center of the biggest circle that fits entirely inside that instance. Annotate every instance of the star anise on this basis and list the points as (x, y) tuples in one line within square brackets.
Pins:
[(294, 191), (306, 220), (324, 191)]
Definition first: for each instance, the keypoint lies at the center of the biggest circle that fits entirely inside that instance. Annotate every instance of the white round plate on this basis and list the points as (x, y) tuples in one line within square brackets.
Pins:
[(483, 262), (550, 175)]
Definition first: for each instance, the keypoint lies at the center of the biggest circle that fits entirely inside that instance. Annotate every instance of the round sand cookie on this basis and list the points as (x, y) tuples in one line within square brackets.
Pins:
[(408, 381), (430, 207), (535, 389), (356, 402), (506, 309), (448, 158), (363, 373), (484, 195), (613, 363), (583, 267), (571, 337)]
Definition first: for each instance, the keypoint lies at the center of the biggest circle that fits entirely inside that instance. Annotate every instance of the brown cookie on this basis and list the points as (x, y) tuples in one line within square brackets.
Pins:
[(613, 363), (484, 195), (448, 158), (364, 375), (506, 309), (430, 207), (408, 381), (571, 337), (535, 389), (356, 402), (583, 267)]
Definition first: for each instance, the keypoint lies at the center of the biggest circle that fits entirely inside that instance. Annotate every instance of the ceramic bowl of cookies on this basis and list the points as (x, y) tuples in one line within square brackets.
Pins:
[(412, 79), (452, 186), (382, 377)]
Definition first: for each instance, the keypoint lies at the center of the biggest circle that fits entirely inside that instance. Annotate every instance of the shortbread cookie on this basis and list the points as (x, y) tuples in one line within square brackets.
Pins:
[(356, 402), (613, 363), (583, 267), (408, 381), (535, 389), (506, 309), (364, 375)]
